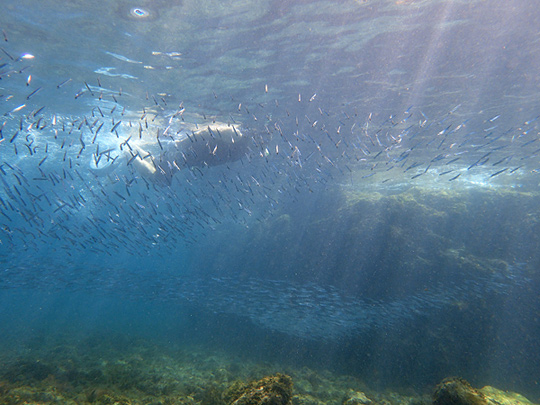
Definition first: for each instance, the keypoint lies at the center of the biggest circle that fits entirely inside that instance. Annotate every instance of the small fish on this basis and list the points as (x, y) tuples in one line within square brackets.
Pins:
[(88, 87), (16, 109), (14, 137), (122, 58), (33, 93), (499, 172), (132, 159), (7, 54), (63, 83), (517, 168), (115, 126)]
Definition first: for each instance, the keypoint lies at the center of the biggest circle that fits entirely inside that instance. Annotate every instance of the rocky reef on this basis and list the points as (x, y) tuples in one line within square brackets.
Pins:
[(272, 390), (457, 391), (415, 229), (139, 373)]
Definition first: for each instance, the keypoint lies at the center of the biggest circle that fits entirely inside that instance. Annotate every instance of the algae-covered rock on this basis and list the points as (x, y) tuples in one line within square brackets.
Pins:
[(495, 396), (106, 397), (272, 390), (29, 370), (34, 395), (457, 391), (235, 391), (356, 398), (306, 400), (211, 394)]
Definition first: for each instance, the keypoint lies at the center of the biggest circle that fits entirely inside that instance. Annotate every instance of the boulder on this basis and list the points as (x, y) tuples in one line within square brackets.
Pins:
[(457, 391), (272, 390)]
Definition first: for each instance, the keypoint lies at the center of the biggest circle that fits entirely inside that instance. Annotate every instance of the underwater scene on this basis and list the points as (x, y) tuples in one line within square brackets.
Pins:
[(279, 202)]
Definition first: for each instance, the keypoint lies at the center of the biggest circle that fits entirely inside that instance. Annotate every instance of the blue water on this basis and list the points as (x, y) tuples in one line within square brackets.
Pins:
[(349, 186)]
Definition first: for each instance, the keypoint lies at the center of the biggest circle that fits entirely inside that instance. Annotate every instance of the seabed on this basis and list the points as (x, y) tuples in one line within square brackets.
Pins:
[(117, 370)]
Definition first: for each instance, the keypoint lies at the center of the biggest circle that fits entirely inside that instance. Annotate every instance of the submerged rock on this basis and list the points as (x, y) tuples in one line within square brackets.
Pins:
[(356, 398), (272, 390), (495, 396), (457, 391), (306, 400)]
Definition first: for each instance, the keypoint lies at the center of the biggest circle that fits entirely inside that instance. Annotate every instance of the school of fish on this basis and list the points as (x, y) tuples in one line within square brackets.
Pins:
[(72, 183)]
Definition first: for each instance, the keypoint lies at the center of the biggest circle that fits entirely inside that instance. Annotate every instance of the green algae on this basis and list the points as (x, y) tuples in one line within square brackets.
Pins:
[(214, 379), (272, 390), (495, 396), (457, 391), (144, 373)]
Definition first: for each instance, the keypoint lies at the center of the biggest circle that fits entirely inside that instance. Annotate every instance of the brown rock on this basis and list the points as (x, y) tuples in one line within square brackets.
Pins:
[(272, 390), (457, 391)]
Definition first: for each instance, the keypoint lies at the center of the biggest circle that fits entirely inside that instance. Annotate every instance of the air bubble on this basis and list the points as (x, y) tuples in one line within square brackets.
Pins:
[(138, 12)]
